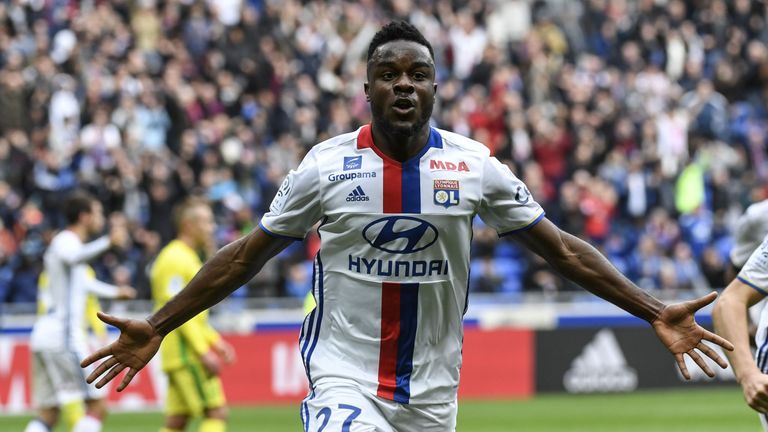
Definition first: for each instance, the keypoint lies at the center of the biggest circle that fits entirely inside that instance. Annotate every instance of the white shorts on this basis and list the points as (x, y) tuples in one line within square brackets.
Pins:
[(347, 408), (57, 379)]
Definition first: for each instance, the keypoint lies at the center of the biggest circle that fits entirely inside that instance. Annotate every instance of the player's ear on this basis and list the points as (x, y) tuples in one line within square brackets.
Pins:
[(366, 88)]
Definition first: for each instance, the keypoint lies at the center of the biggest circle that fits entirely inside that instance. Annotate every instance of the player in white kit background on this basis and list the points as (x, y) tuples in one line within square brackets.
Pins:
[(743, 301), (730, 318), (59, 338), (395, 201)]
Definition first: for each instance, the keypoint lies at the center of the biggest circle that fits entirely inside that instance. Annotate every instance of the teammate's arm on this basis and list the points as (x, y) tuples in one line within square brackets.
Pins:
[(730, 318), (580, 262), (74, 253), (103, 289), (231, 267)]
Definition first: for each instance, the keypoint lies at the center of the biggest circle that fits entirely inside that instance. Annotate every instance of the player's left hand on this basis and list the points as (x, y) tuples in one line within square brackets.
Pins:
[(677, 329), (225, 351)]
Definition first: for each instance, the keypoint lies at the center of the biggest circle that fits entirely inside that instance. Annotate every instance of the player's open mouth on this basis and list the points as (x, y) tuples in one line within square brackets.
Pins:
[(403, 106)]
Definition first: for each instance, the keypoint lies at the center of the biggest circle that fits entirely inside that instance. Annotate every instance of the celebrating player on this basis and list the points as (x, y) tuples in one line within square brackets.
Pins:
[(58, 337), (395, 200), (190, 354)]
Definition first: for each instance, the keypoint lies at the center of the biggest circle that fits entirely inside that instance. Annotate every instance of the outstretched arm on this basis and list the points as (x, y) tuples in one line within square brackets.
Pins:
[(230, 268), (580, 262), (730, 318)]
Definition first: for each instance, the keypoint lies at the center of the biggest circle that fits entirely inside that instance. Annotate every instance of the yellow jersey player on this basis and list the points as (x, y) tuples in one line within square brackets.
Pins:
[(191, 355)]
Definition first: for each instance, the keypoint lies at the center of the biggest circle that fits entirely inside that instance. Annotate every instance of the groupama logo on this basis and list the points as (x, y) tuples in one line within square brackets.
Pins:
[(400, 234)]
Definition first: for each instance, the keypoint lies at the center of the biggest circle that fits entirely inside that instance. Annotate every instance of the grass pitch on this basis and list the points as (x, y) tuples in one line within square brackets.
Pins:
[(699, 410)]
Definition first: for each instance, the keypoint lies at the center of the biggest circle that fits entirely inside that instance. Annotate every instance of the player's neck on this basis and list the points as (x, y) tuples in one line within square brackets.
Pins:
[(80, 231), (187, 240), (399, 147)]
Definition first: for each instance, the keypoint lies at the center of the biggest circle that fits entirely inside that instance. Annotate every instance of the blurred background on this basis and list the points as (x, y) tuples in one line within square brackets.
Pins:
[(639, 125)]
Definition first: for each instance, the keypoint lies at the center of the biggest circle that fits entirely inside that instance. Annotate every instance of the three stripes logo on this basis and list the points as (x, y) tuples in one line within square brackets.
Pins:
[(601, 367), (357, 194)]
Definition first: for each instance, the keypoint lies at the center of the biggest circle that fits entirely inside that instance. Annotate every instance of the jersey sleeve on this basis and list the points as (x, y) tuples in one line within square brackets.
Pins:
[(744, 238), (72, 252), (507, 206), (755, 270), (296, 206)]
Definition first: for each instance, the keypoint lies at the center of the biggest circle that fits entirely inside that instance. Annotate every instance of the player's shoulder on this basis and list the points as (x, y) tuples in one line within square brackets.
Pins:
[(466, 145), (337, 143), (175, 252), (65, 239), (758, 209)]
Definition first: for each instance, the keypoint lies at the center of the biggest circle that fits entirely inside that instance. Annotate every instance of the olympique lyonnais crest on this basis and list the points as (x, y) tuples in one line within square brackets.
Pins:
[(446, 192)]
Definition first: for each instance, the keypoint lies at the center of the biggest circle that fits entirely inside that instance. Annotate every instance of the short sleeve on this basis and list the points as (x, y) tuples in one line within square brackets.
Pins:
[(296, 206), (506, 205), (744, 237), (755, 271)]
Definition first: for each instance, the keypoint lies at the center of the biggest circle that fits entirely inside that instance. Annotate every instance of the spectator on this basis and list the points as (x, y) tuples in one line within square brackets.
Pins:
[(639, 125)]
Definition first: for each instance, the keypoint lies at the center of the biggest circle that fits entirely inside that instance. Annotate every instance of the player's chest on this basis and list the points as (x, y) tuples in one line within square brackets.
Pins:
[(433, 185)]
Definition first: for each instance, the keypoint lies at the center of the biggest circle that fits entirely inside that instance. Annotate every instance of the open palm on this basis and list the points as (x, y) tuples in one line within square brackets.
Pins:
[(137, 344), (677, 329)]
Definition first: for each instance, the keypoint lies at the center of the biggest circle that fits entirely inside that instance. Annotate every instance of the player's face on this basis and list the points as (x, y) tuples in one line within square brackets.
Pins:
[(203, 225), (401, 86)]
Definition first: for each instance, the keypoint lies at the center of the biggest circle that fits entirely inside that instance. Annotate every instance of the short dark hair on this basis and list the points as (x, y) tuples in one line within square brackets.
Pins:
[(398, 30), (77, 203)]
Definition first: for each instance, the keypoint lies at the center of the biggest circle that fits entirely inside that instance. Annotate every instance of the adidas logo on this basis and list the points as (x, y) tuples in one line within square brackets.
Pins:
[(601, 367), (357, 194)]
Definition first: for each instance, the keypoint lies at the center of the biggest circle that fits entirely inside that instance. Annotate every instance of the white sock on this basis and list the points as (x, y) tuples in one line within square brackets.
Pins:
[(36, 425), (88, 424)]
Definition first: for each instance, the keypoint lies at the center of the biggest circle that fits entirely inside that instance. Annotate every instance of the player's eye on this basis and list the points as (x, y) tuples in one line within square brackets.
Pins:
[(387, 76), (419, 76)]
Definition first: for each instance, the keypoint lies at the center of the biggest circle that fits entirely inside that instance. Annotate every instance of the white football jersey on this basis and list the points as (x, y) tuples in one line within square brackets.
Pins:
[(62, 325), (751, 227), (391, 275), (755, 274)]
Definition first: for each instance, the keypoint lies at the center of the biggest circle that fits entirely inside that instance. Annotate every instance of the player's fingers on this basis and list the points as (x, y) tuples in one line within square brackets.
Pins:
[(759, 402), (709, 336), (111, 320), (127, 379), (111, 375), (96, 355), (709, 352), (681, 364), (702, 364), (696, 304), (103, 367)]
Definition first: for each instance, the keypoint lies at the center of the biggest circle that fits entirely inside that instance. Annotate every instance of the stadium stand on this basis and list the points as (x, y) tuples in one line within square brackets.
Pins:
[(639, 125)]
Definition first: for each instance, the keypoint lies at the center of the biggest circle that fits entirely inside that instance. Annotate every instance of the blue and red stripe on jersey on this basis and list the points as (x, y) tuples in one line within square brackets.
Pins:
[(399, 301)]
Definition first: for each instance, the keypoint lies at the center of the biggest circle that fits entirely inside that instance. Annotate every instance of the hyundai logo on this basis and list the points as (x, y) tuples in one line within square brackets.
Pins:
[(400, 234)]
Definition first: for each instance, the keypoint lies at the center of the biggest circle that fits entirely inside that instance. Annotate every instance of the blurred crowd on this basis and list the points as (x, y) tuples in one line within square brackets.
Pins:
[(638, 125)]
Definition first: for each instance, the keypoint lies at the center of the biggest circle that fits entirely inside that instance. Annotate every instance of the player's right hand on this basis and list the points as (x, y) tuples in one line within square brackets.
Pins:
[(225, 351), (211, 362), (137, 344), (126, 293), (755, 387)]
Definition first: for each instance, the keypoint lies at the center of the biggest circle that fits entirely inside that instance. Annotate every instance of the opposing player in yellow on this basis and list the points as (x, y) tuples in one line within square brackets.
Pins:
[(192, 355)]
